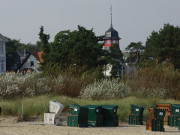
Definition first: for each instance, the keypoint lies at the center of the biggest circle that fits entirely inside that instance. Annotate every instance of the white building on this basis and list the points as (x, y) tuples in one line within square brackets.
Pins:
[(3, 41), (31, 62)]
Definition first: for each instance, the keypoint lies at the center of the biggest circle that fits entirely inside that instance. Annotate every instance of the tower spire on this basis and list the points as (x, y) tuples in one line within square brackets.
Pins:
[(111, 15)]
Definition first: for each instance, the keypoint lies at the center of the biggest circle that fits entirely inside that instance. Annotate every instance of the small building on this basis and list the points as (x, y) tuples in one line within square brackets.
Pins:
[(31, 62), (3, 41)]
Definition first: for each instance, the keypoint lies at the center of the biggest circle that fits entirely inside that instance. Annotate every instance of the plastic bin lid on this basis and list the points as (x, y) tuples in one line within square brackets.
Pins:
[(109, 106), (93, 106), (136, 106)]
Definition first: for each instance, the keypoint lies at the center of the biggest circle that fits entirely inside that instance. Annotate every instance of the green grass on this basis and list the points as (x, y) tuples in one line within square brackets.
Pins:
[(37, 106)]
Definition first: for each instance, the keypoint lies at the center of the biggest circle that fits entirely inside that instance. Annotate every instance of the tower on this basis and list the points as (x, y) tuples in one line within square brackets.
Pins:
[(111, 35)]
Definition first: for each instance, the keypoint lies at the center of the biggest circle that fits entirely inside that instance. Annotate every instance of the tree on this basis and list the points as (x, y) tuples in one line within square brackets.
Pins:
[(135, 50), (45, 46), (78, 48), (114, 57), (164, 46), (11, 53)]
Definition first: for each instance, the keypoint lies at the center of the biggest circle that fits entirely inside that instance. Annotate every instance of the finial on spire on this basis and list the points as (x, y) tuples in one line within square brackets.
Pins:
[(111, 15)]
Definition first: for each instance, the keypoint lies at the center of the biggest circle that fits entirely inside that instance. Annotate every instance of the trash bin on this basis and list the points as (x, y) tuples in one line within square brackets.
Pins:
[(175, 115), (179, 124), (109, 114), (78, 117), (136, 116), (166, 107), (56, 107), (173, 120), (53, 115), (175, 109), (157, 125), (94, 115), (156, 120), (159, 114), (137, 110)]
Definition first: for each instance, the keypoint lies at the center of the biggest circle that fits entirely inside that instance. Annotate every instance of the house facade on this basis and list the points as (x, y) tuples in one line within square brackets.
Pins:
[(3, 41), (31, 62)]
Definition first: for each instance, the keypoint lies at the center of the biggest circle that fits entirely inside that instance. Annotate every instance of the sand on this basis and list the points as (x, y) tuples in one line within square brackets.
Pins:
[(10, 126)]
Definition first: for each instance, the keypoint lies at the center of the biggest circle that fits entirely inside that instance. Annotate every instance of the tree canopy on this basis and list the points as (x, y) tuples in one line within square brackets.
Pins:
[(164, 46), (78, 48), (135, 49)]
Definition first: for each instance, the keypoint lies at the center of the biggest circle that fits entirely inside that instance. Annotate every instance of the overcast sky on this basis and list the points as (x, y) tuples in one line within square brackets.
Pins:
[(133, 19)]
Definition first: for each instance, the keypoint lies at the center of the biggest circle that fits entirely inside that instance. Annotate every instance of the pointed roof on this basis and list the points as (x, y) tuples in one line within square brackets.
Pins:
[(2, 38), (111, 33), (38, 56)]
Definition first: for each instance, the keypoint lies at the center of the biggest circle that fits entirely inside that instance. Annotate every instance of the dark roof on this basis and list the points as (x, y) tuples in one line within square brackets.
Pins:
[(111, 33), (2, 38)]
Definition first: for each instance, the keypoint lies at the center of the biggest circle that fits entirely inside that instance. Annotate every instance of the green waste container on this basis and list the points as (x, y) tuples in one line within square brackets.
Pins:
[(137, 110), (159, 114), (157, 125), (94, 115), (173, 120), (175, 109), (78, 117), (179, 124), (135, 120), (136, 116), (109, 114)]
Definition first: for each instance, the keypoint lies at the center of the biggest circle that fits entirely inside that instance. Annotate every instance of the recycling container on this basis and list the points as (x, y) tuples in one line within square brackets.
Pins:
[(175, 109), (135, 120), (49, 118), (56, 107), (156, 120), (179, 124), (136, 116), (173, 120), (167, 108), (137, 110), (94, 115), (78, 117), (157, 125), (109, 114), (159, 114)]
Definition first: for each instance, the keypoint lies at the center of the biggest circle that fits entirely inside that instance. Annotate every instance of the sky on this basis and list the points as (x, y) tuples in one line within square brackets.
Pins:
[(133, 19)]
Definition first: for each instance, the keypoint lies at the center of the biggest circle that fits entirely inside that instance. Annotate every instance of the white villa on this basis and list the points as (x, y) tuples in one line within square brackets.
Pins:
[(3, 41)]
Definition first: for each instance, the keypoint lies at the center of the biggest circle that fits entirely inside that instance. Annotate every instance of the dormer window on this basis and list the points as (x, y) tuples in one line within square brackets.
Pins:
[(1, 48)]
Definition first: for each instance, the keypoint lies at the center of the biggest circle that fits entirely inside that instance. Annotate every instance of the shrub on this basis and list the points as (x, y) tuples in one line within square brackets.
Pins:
[(18, 84), (162, 77), (105, 89)]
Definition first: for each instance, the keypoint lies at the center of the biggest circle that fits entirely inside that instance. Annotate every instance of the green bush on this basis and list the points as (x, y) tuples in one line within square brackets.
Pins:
[(105, 89)]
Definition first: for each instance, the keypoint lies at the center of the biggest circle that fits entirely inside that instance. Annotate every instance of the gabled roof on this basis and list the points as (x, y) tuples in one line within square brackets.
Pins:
[(38, 56), (2, 38)]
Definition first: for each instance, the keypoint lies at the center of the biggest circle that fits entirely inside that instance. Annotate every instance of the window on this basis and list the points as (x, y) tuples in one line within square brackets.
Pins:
[(32, 63), (2, 65), (114, 41), (1, 48), (108, 41)]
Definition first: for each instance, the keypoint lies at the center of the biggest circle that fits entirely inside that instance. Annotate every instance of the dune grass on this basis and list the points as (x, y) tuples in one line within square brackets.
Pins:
[(37, 106)]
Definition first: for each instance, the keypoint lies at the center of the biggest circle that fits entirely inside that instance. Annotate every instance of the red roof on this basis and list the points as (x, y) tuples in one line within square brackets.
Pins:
[(38, 55)]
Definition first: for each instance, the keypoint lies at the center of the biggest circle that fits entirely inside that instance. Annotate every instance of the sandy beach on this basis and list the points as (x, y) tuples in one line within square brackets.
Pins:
[(10, 126)]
